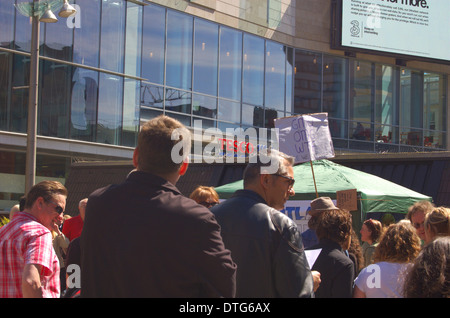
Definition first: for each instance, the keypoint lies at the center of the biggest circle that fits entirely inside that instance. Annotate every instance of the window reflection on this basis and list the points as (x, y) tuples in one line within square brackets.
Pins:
[(434, 139), (434, 102), (5, 62), (6, 25), (84, 104), (179, 50), (178, 101), (411, 137), (22, 37), (153, 45), (411, 99), (361, 87), (20, 92), (130, 122), (133, 38), (55, 93), (152, 96), (58, 40), (275, 75), (112, 35), (229, 111), (205, 57), (335, 93), (204, 106), (86, 39), (385, 110), (110, 101), (252, 116), (290, 69), (253, 72), (230, 63), (308, 74)]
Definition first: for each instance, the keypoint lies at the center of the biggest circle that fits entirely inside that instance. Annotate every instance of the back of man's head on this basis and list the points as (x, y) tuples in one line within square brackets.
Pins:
[(156, 143), (267, 162)]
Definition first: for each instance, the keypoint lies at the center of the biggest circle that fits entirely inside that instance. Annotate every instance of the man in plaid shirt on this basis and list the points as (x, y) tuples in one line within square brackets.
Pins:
[(29, 266)]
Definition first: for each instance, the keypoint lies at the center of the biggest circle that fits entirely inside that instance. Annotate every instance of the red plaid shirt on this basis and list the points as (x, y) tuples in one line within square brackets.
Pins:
[(26, 241)]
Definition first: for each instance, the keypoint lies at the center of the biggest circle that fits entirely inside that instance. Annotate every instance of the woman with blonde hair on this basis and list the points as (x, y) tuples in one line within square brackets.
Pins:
[(437, 223), (205, 196), (398, 247)]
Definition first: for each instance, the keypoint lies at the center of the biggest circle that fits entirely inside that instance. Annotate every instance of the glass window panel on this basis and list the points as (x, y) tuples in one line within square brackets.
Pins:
[(58, 40), (361, 131), (204, 106), (252, 116), (270, 115), (86, 36), (290, 68), (275, 76), (84, 104), (224, 126), (153, 45), (5, 75), (179, 50), (206, 123), (386, 134), (334, 93), (130, 112), (22, 38), (229, 111), (230, 68), (6, 24), (147, 114), (133, 40), (55, 95), (19, 98), (434, 115), (361, 88), (385, 98), (185, 120), (152, 96), (338, 128), (307, 90), (434, 139), (205, 57), (178, 101), (411, 99), (411, 137), (112, 35), (110, 101), (334, 86), (253, 75)]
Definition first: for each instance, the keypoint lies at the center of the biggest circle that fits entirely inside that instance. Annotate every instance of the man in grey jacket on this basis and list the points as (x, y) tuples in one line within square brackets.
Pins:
[(265, 244)]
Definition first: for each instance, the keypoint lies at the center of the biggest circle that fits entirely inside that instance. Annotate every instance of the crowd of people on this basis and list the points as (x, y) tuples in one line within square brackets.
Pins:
[(143, 238)]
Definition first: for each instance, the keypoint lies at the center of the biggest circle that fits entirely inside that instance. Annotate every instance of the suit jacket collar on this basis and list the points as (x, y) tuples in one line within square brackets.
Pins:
[(250, 194), (151, 180)]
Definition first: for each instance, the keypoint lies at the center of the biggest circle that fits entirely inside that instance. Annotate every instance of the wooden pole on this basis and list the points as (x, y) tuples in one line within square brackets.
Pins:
[(314, 178)]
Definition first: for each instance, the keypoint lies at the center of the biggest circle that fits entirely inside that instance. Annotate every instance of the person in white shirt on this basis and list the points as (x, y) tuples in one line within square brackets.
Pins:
[(398, 248)]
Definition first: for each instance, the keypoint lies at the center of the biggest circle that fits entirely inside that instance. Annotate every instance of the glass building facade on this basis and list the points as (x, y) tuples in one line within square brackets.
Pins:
[(119, 63)]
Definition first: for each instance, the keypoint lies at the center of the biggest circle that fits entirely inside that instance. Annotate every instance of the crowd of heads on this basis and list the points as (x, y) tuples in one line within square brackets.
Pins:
[(422, 239)]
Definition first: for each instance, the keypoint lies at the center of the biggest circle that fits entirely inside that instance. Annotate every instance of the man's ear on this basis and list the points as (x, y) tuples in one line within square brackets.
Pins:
[(135, 157), (184, 167), (265, 180)]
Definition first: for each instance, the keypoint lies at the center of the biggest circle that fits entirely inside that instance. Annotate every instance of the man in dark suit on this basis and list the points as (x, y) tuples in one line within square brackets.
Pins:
[(143, 238)]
